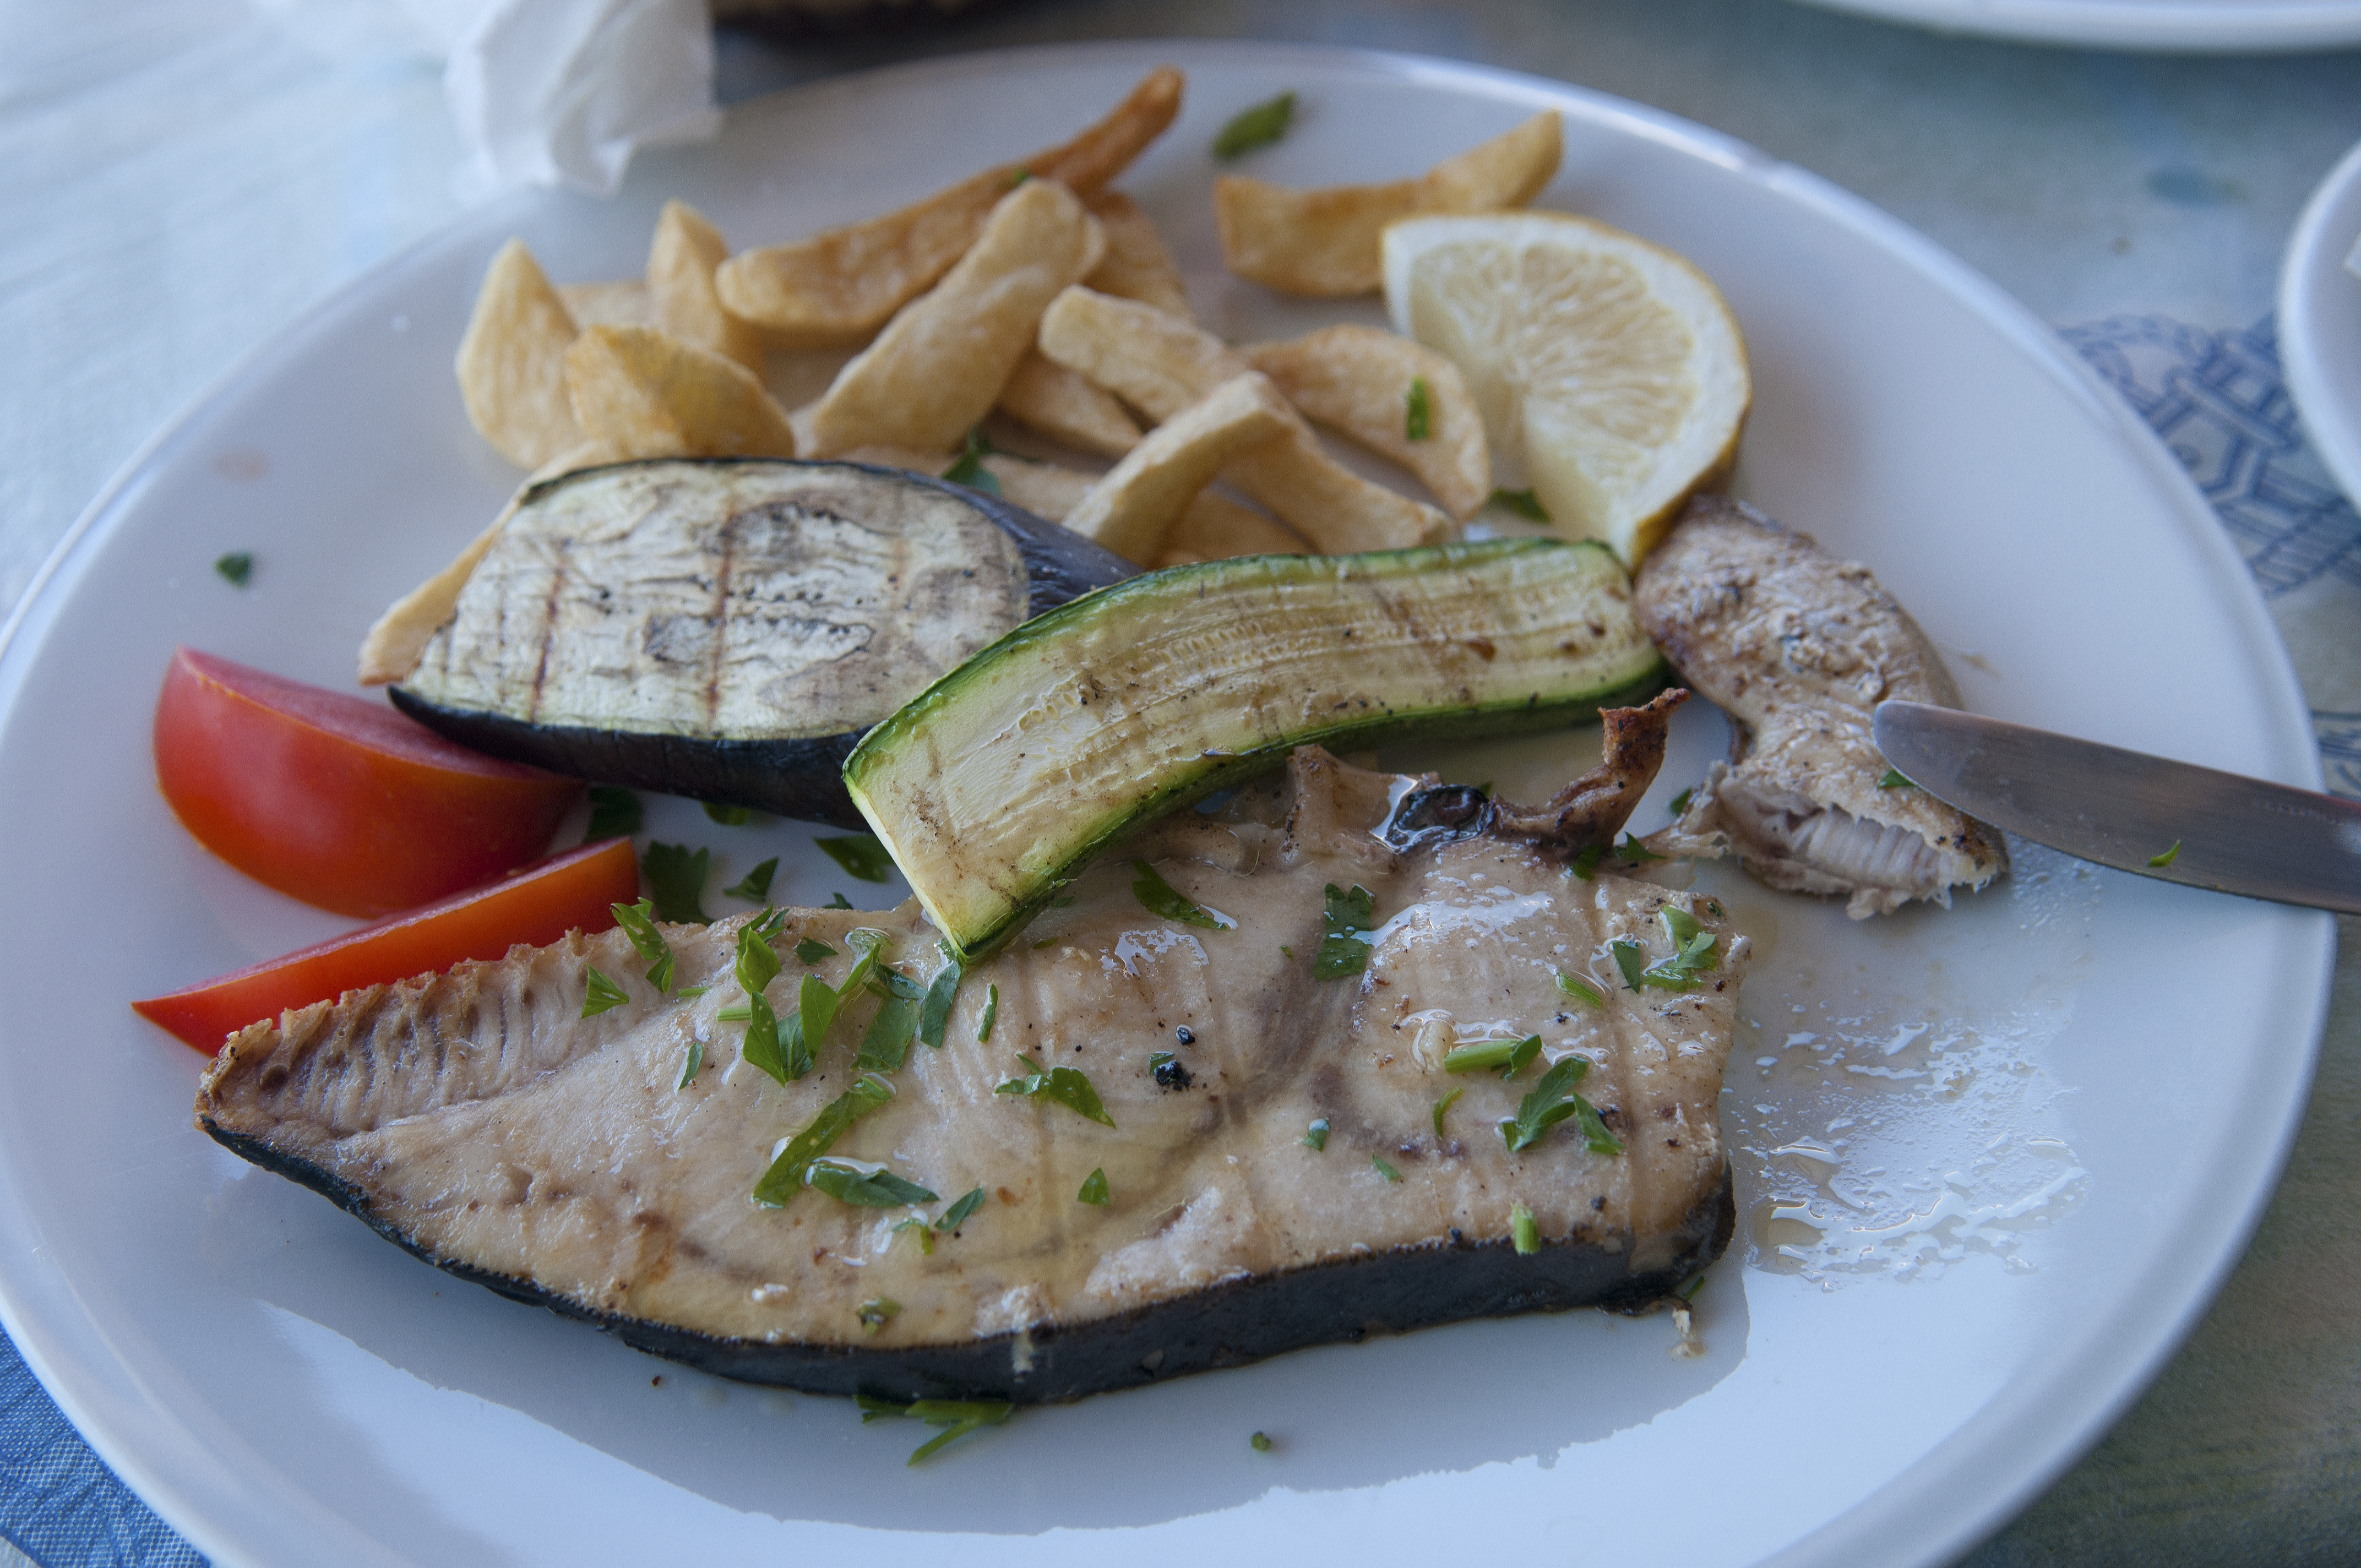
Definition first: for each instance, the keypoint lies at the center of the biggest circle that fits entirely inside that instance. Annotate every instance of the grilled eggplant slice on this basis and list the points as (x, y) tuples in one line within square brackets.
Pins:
[(1028, 760), (726, 629), (605, 1167)]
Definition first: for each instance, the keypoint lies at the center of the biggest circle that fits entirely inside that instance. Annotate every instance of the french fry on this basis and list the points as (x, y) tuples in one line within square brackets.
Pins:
[(939, 365), (840, 285), (1063, 405), (1160, 363), (682, 259), (621, 303), (512, 362), (1044, 489), (1137, 266), (651, 395), (1216, 527), (1358, 381), (1133, 508), (1325, 242)]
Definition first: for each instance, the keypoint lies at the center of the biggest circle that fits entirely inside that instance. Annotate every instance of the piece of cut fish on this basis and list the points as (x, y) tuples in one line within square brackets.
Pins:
[(477, 1119), (1798, 648)]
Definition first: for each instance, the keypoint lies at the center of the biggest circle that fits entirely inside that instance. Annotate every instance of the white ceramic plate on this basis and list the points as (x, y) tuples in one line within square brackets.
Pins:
[(2320, 321), (1991, 1162), (2177, 26)]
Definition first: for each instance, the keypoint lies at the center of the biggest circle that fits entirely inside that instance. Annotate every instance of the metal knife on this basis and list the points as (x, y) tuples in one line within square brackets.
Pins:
[(2133, 812)]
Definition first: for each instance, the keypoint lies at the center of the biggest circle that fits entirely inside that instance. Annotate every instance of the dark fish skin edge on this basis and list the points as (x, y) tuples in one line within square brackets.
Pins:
[(803, 777), (1229, 1324)]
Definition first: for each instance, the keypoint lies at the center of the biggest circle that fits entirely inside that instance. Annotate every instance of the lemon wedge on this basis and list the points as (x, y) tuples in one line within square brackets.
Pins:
[(1609, 368)]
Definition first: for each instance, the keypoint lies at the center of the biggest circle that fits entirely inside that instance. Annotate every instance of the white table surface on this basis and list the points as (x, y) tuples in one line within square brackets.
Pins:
[(180, 178)]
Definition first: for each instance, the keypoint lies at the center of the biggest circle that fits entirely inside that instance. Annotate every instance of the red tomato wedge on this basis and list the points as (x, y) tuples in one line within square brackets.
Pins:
[(336, 800), (537, 905)]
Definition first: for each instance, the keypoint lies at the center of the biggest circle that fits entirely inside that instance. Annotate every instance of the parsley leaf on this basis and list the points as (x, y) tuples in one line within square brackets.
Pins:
[(970, 469), (637, 924), (1509, 1056), (991, 1015), (864, 1189), (1094, 1189), (690, 1069), (784, 1178), (862, 856), (614, 814), (1632, 959), (1388, 1172), (1066, 1085), (1315, 1137), (1444, 1104), (1894, 778), (1416, 410), (236, 567), (1523, 1233), (955, 1215), (1160, 897), (876, 1312), (2166, 858), (1692, 953), (1344, 950), (1580, 991), (959, 1417), (1551, 1102), (1585, 864), (1681, 801), (755, 885), (676, 883), (811, 949), (730, 815), (935, 1012), (917, 1223), (1258, 126), (1632, 852), (1524, 503), (886, 1042), (837, 900), (1259, 1442), (602, 994)]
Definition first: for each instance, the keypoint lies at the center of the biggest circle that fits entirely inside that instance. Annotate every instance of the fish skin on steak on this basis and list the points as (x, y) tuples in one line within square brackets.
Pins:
[(475, 1119)]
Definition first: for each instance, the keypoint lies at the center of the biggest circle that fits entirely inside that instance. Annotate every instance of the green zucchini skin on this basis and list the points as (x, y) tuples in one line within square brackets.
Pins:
[(997, 782), (798, 774)]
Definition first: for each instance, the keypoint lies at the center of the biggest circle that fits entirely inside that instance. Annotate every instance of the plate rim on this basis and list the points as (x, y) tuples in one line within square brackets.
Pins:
[(1943, 1525), (2314, 256), (2280, 28)]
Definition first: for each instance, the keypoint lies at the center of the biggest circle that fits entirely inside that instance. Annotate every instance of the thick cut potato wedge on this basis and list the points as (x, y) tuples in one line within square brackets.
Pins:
[(940, 365), (1216, 527), (1325, 242), (1063, 405), (1398, 398), (1132, 508), (1137, 266), (842, 285), (512, 362), (623, 302), (682, 259), (653, 396)]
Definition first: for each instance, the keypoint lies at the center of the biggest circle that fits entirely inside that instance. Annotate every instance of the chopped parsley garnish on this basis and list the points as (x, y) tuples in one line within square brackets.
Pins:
[(864, 1189), (970, 469), (729, 815), (1287, 952), (1585, 864), (1632, 959), (957, 1417), (1388, 1172), (876, 1312), (1315, 1136), (602, 994), (811, 949), (1344, 950), (955, 1215), (1580, 991), (1160, 897), (1523, 1233), (764, 1047), (236, 567), (784, 1178), (917, 1225), (1415, 410), (736, 1013), (837, 900), (1524, 503), (991, 1015), (1066, 1085), (1689, 1292), (1019, 178), (1632, 852), (1094, 1189), (935, 1012), (1045, 942), (1258, 126), (676, 883), (638, 923), (755, 885), (1894, 778), (2166, 858), (1444, 1104), (1259, 1442), (1509, 1056), (1681, 801), (886, 1042), (862, 856), (614, 814), (1551, 1102), (1692, 954)]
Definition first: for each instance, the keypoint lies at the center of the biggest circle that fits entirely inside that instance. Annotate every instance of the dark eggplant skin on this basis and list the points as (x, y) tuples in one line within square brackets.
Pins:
[(800, 777), (1227, 1324)]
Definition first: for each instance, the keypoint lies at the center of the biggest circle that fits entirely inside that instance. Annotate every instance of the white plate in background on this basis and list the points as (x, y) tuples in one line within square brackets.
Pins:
[(2180, 27), (2320, 321), (1992, 1162)]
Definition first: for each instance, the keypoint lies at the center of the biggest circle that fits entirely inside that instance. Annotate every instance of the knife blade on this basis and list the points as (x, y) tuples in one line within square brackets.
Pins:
[(2128, 810)]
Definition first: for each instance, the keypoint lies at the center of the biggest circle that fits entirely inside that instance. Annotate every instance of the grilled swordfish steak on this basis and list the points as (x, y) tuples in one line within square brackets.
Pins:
[(478, 1120), (1798, 648)]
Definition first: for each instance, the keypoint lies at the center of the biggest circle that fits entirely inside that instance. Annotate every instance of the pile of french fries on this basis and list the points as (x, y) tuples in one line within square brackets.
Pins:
[(1028, 291)]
